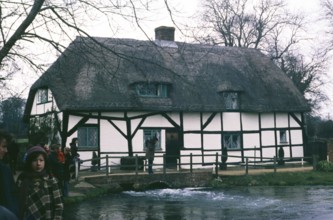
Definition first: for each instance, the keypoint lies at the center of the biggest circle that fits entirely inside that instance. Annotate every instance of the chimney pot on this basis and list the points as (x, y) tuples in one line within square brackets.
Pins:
[(165, 33)]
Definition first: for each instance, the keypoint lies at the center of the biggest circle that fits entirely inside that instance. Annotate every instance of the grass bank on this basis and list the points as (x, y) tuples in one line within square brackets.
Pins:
[(276, 179)]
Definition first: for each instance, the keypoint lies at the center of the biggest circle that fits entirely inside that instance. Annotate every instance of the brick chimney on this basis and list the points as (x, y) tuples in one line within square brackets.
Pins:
[(165, 33)]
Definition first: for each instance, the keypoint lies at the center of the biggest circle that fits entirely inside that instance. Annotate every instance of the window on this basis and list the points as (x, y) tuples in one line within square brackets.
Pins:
[(152, 90), (88, 137), (283, 136), (149, 134), (231, 141), (42, 96), (231, 100)]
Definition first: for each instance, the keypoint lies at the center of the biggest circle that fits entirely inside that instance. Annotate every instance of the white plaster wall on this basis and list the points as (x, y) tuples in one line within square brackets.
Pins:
[(192, 141), (110, 139), (191, 122), (113, 114), (212, 142), (281, 120), (251, 140), (250, 121), (267, 120), (293, 123), (45, 107), (231, 121), (210, 157), (268, 153), (267, 138), (234, 156), (175, 117), (42, 108), (215, 124), (296, 137), (186, 159), (252, 154), (297, 151), (156, 121)]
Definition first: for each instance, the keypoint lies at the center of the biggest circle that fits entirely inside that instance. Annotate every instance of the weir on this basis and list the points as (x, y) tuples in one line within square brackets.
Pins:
[(157, 180)]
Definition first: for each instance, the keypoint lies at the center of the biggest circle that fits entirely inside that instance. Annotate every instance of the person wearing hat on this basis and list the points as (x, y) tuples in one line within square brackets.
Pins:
[(40, 196)]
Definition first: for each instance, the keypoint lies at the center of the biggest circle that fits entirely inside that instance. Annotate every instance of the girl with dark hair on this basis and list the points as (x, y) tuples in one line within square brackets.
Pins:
[(40, 197)]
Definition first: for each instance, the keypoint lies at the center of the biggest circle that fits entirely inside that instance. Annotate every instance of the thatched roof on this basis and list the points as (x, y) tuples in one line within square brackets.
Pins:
[(98, 75)]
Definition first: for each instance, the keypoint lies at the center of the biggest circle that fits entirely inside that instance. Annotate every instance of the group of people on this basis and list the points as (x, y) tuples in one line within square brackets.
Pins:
[(38, 191)]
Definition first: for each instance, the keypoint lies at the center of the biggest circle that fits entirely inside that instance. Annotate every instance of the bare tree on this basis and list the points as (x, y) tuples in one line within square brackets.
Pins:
[(55, 23), (328, 16), (268, 26), (307, 75), (240, 23)]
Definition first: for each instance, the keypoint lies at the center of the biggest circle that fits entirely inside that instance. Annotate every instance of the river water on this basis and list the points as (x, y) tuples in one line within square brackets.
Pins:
[(294, 203)]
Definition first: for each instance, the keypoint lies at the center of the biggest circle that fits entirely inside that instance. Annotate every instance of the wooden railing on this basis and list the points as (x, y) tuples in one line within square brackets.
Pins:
[(139, 163)]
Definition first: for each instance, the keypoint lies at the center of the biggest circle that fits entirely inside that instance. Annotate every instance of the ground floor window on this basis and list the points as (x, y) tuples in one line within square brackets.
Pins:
[(88, 137), (232, 141), (149, 134), (283, 136)]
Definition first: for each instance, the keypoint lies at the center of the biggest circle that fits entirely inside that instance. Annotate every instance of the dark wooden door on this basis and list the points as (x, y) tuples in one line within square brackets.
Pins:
[(172, 150)]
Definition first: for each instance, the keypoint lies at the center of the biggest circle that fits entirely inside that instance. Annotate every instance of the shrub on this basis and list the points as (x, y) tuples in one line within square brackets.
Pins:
[(324, 166)]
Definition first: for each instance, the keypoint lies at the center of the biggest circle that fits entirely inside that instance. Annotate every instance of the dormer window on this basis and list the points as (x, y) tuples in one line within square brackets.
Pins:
[(42, 96), (152, 90), (231, 100)]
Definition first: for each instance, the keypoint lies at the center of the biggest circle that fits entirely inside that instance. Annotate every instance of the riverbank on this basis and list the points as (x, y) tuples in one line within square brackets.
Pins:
[(82, 190), (276, 179)]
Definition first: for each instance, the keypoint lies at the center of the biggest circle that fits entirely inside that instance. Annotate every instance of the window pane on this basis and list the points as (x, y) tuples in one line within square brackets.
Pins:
[(152, 90), (82, 134), (92, 137), (88, 137), (231, 141), (147, 89), (42, 96), (152, 133), (163, 91), (231, 100), (283, 136)]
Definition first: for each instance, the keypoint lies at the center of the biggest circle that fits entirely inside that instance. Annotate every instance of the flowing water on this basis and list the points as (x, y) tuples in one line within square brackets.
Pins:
[(299, 202)]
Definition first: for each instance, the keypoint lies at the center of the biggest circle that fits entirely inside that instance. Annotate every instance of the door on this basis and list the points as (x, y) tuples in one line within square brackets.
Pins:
[(172, 148)]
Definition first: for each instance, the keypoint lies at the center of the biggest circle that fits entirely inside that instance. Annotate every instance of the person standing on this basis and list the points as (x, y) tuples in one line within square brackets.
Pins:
[(67, 169), (8, 190), (57, 162), (150, 153), (40, 196), (75, 154)]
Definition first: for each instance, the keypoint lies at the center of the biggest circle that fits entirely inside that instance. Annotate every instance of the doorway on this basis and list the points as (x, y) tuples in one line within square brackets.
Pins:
[(172, 148)]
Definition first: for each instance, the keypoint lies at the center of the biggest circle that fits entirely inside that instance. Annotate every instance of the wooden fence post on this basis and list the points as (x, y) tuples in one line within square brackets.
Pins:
[(164, 164), (191, 160), (136, 164), (107, 166), (217, 164), (76, 169)]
